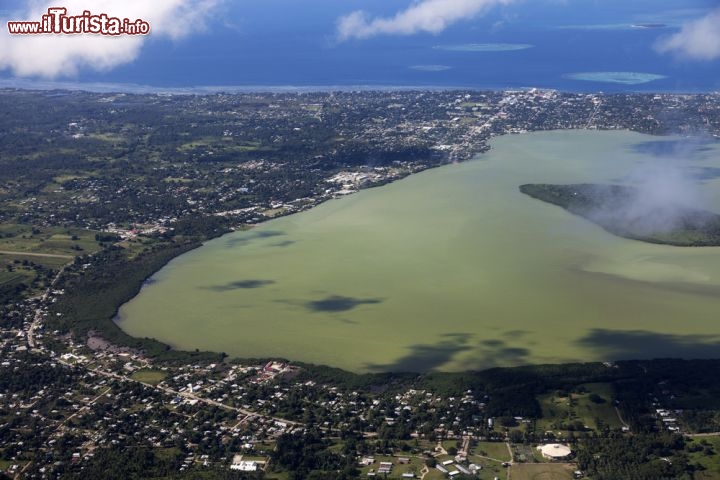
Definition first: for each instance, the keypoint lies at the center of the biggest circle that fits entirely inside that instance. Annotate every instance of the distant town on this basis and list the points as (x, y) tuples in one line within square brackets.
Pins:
[(99, 191)]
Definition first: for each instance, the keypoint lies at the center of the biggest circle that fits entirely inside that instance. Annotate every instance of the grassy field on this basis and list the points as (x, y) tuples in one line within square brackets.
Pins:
[(495, 450), (14, 277), (707, 456), (277, 476), (30, 256), (542, 471), (47, 240), (152, 377), (19, 260), (593, 409)]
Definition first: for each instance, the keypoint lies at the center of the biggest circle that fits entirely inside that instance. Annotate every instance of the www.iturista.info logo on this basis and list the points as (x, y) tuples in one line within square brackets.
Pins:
[(57, 21)]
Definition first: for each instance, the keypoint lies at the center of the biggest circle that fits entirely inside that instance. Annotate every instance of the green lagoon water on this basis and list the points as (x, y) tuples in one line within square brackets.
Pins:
[(449, 269)]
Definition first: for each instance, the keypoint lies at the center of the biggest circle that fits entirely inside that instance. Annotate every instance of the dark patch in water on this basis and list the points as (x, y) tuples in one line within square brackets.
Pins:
[(515, 333), (424, 358), (254, 235), (454, 335), (338, 303), (348, 321), (285, 243), (240, 284), (706, 173), (637, 344), (487, 354), (673, 148)]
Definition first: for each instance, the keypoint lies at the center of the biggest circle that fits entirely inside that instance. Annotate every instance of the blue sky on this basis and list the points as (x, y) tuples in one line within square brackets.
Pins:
[(188, 33)]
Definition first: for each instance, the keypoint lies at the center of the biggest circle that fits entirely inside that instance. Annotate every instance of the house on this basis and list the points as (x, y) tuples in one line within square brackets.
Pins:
[(245, 466)]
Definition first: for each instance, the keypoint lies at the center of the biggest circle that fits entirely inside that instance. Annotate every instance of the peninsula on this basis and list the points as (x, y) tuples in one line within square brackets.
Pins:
[(621, 210)]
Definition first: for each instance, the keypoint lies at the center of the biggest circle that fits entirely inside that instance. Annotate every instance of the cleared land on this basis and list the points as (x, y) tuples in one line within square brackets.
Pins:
[(152, 377), (62, 242), (542, 471), (31, 256), (495, 450), (705, 452), (573, 411)]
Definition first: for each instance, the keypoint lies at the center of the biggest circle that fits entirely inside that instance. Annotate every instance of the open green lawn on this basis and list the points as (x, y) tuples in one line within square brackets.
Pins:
[(152, 377), (542, 471), (497, 450), (435, 475), (13, 278), (708, 455), (277, 476), (47, 240), (592, 408), (18, 259), (604, 411)]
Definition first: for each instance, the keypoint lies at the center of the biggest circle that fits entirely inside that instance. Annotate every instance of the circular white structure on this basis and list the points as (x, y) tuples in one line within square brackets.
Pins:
[(555, 451)]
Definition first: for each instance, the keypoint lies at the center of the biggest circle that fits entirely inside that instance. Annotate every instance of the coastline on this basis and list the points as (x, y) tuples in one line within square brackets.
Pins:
[(116, 321), (102, 87), (317, 201)]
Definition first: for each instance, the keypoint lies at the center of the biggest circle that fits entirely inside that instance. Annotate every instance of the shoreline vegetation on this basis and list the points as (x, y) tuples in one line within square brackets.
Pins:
[(96, 284), (623, 211), (87, 301), (93, 298)]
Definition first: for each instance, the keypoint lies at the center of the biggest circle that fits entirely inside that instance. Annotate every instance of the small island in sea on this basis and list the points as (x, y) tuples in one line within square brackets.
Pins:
[(649, 25), (623, 211), (484, 47), (622, 78)]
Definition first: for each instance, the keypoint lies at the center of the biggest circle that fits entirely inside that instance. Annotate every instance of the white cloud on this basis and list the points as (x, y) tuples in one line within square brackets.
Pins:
[(432, 16), (697, 40), (51, 56)]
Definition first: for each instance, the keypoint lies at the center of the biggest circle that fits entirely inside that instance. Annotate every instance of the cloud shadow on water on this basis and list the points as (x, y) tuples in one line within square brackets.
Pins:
[(485, 354), (240, 285), (338, 303), (236, 241), (424, 358), (285, 243), (516, 333), (685, 148), (641, 344), (705, 173)]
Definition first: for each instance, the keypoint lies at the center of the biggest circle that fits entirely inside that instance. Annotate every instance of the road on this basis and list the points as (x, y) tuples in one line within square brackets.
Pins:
[(39, 312), (191, 396)]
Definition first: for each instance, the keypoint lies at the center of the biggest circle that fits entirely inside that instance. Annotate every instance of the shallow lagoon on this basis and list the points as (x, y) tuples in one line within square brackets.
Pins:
[(450, 269)]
